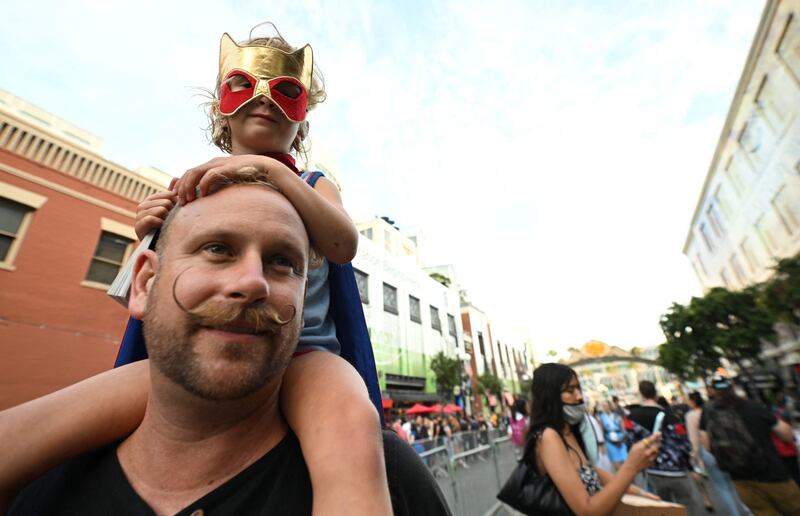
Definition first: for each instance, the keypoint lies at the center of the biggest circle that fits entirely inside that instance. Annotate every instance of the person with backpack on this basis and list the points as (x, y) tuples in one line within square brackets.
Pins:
[(737, 432), (669, 476)]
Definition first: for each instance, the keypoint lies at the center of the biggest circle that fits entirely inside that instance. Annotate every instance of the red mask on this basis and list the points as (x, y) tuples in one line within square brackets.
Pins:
[(282, 77)]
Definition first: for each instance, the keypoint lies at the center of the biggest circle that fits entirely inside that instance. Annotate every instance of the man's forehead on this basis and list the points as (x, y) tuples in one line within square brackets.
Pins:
[(246, 208)]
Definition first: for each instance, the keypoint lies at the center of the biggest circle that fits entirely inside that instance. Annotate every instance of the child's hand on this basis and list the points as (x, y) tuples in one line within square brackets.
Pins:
[(150, 214), (202, 177)]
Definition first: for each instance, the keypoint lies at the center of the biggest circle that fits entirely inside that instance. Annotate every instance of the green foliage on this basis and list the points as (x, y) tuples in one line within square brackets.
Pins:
[(490, 384), (447, 371), (552, 353), (723, 323), (525, 387), (781, 294), (441, 278)]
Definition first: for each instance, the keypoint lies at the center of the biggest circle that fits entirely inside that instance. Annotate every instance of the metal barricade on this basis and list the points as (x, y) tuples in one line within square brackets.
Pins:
[(470, 468)]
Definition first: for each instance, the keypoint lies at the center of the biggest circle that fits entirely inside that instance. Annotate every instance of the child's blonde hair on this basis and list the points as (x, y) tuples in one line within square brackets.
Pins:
[(219, 133)]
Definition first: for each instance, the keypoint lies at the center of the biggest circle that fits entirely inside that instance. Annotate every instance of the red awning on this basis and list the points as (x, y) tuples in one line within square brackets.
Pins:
[(419, 408), (452, 408), (436, 408), (387, 403)]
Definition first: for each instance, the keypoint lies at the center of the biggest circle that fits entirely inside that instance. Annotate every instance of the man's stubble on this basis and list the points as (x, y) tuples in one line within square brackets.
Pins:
[(172, 349)]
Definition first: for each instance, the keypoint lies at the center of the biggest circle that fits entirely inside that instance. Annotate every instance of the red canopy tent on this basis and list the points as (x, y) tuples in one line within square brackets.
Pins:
[(419, 408), (436, 408), (452, 408)]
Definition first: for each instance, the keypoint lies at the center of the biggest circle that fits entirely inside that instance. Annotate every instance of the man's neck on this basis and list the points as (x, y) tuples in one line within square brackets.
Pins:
[(186, 447), (650, 403)]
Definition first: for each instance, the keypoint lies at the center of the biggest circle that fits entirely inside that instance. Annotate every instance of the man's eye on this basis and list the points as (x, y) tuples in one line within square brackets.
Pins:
[(281, 264), (289, 89), (217, 249)]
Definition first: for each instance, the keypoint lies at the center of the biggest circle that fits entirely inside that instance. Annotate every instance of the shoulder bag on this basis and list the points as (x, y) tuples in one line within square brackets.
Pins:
[(530, 492)]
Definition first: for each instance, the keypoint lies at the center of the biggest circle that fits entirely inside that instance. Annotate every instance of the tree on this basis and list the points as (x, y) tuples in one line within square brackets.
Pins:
[(722, 324), (736, 323), (490, 384), (441, 278), (447, 371), (687, 352), (781, 294), (552, 353)]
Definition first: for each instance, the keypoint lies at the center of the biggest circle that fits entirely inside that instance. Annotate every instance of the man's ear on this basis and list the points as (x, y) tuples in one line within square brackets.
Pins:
[(144, 273)]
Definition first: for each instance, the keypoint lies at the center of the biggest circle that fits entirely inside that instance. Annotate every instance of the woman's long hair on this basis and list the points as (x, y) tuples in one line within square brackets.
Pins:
[(547, 409)]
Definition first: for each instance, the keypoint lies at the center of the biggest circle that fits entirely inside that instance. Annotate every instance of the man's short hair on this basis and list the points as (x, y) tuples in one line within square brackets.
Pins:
[(244, 176), (647, 389)]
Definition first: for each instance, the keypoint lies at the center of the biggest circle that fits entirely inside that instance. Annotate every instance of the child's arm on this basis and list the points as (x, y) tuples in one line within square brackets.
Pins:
[(42, 433), (328, 225), (326, 403)]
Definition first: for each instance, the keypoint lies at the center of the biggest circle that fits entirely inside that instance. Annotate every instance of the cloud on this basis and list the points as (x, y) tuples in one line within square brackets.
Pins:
[(553, 152)]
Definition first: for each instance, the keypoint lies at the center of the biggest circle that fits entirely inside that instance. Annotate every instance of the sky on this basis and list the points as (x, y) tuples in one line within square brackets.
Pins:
[(552, 151)]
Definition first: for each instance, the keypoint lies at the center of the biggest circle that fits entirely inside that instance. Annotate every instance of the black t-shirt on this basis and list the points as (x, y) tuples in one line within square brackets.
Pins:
[(759, 421), (277, 483), (645, 415)]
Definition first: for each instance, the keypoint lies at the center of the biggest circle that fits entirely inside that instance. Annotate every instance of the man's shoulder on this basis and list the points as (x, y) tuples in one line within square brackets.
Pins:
[(70, 485), (411, 485)]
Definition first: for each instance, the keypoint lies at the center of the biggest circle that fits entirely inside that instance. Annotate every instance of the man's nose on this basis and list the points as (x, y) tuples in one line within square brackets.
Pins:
[(247, 282)]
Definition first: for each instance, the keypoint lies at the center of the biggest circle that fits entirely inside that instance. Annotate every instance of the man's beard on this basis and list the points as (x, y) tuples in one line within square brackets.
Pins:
[(172, 347)]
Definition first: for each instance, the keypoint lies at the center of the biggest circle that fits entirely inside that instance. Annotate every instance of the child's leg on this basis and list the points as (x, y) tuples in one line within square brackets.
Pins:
[(325, 402), (42, 433)]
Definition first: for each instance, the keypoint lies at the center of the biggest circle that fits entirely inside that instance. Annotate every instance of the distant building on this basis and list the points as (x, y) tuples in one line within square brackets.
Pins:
[(748, 213), (66, 227), (509, 361), (411, 317), (607, 371)]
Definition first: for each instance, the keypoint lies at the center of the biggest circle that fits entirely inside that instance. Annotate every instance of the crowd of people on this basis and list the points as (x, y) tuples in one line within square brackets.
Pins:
[(729, 455), (755, 444)]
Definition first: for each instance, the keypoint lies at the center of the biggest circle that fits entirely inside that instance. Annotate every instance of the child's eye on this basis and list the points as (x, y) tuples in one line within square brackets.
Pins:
[(239, 83), (289, 89)]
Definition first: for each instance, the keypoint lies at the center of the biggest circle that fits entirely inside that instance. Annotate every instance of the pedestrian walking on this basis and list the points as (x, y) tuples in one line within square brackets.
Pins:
[(669, 476), (614, 433), (738, 433)]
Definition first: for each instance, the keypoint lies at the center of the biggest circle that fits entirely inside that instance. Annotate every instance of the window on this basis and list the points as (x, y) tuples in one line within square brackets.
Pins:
[(737, 269), (413, 309), (362, 280), (722, 201), (387, 240), (787, 210), (389, 299), (706, 237), (749, 257), (451, 325), (775, 106), (14, 220), (754, 141), (436, 323), (111, 252), (736, 175), (765, 235), (723, 275), (713, 218), (789, 45), (367, 233)]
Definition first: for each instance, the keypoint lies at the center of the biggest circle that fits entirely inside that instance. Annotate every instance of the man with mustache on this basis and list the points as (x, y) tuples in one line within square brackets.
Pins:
[(221, 299)]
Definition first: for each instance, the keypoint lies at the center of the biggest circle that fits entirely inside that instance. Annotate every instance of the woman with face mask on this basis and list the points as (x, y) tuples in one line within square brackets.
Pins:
[(557, 448)]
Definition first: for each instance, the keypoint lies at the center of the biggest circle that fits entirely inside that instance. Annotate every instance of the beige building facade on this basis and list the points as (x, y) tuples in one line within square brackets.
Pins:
[(748, 213)]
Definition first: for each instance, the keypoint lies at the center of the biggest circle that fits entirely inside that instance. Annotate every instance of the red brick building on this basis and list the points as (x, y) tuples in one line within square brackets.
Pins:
[(66, 226)]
